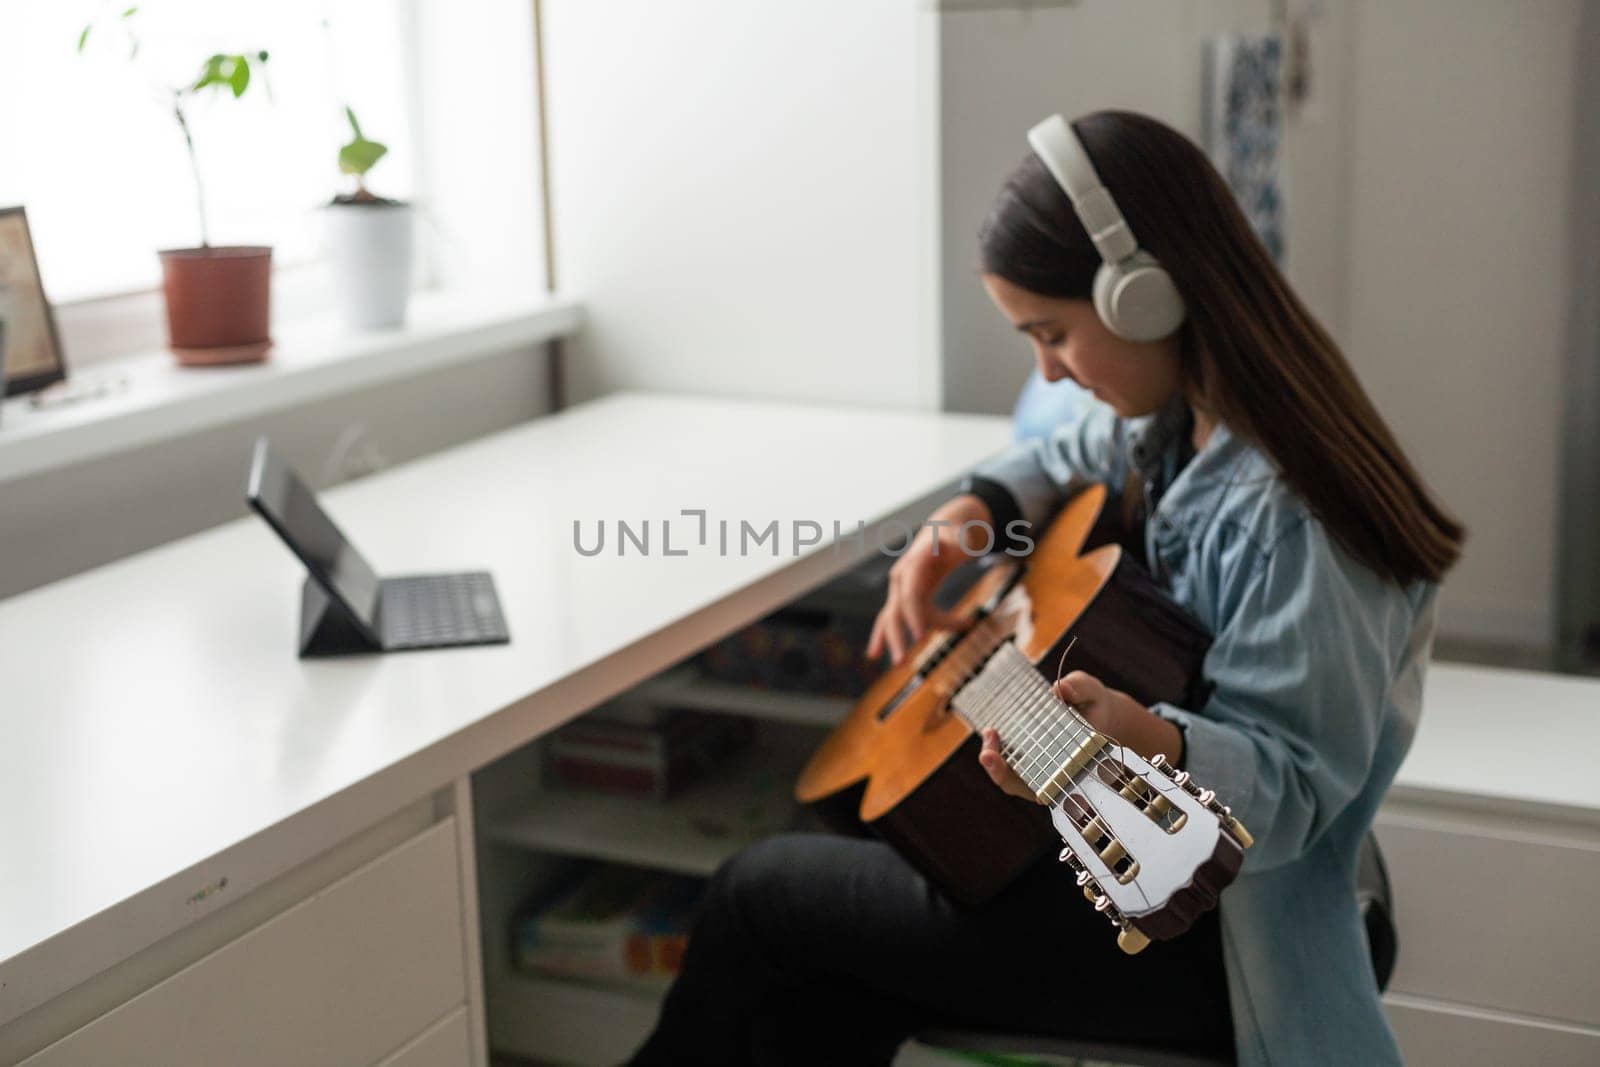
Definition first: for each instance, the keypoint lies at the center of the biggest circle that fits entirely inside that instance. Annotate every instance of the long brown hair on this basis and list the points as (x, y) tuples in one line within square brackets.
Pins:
[(1252, 354)]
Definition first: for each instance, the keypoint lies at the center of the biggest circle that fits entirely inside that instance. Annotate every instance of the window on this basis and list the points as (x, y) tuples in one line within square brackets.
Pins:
[(90, 146)]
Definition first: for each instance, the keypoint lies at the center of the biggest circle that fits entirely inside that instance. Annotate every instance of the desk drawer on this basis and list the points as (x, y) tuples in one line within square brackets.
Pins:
[(1493, 919), (346, 976), (1435, 1034), (444, 1044)]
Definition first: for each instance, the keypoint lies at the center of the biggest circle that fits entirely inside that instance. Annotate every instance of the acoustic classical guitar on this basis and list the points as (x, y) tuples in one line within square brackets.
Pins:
[(1150, 847)]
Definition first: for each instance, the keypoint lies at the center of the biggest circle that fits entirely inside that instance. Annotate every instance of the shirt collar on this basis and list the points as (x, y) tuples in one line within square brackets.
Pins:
[(1151, 436)]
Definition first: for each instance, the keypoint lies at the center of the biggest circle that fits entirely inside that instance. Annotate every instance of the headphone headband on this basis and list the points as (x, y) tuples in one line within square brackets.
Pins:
[(1055, 143)]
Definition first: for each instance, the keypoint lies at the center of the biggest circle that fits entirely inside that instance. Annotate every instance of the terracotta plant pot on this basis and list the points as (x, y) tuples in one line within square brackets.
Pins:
[(218, 303)]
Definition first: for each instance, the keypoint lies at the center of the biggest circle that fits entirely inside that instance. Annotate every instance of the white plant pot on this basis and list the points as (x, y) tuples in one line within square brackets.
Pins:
[(369, 251)]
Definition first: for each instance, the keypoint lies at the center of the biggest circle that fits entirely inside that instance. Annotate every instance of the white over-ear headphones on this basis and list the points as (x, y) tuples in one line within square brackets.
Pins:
[(1133, 294)]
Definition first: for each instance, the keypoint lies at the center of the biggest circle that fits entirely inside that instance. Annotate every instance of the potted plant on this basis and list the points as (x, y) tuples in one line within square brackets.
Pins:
[(218, 297), (369, 241)]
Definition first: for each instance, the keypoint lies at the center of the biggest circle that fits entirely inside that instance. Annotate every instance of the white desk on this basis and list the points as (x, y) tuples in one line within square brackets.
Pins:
[(160, 735)]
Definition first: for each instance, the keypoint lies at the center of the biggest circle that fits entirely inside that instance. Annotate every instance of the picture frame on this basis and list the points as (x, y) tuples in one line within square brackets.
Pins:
[(32, 352)]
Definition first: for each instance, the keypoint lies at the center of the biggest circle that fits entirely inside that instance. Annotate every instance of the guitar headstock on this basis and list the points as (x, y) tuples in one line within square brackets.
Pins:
[(1151, 848)]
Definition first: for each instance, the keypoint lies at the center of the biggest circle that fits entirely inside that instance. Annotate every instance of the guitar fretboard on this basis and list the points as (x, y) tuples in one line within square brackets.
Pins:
[(1039, 733)]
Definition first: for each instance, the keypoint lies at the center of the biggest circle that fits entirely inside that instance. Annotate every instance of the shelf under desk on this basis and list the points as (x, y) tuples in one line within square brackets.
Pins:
[(736, 803)]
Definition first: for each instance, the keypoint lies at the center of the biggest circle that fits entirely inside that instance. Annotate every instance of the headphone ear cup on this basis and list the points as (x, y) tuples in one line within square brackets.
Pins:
[(1137, 300), (1105, 304)]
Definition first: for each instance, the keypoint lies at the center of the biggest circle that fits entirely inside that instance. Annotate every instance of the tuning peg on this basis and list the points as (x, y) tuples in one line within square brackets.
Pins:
[(1158, 761), (1068, 857), (1101, 903), (1206, 796), (1131, 940), (1182, 778), (1084, 878)]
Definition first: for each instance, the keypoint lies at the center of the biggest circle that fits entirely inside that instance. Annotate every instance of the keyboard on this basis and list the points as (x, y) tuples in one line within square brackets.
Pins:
[(438, 610)]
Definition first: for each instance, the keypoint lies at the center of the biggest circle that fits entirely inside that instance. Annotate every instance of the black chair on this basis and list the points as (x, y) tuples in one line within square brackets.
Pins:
[(1377, 910)]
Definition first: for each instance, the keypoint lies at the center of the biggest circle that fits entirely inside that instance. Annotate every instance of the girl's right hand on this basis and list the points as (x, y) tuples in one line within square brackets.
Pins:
[(908, 610)]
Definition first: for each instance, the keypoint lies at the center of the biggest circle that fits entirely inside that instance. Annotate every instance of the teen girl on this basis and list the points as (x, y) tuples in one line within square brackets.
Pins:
[(1279, 510)]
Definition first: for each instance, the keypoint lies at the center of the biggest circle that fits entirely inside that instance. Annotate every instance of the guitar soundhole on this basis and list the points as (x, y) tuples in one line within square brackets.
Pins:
[(931, 658)]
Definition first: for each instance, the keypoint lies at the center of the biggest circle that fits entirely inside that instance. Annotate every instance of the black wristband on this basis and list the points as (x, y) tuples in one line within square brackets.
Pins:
[(1003, 509)]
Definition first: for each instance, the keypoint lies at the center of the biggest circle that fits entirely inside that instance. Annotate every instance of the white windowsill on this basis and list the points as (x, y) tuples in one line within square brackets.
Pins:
[(159, 400)]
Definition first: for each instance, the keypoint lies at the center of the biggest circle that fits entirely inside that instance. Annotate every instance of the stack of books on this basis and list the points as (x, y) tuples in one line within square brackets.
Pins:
[(797, 649), (613, 924), (643, 752)]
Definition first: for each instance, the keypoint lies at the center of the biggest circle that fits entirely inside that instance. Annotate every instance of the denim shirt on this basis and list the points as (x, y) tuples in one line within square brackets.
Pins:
[(1317, 665)]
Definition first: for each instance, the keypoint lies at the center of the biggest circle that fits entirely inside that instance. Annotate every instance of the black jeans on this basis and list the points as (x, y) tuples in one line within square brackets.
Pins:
[(812, 948)]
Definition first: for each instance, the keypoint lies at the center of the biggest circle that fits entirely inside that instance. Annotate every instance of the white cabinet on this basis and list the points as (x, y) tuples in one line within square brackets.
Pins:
[(1442, 1034), (1488, 919), (367, 968), (445, 1044), (1496, 960)]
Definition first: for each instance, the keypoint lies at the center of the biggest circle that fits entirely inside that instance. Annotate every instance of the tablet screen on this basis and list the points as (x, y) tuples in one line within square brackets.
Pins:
[(290, 509)]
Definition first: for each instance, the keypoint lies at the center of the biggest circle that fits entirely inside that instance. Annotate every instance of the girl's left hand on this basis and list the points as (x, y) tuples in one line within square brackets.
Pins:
[(1110, 711), (1120, 717)]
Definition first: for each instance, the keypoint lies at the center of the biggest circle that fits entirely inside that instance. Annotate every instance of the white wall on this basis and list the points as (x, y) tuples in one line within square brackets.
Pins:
[(474, 103), (67, 520), (1428, 195), (744, 196), (1459, 275), (1578, 564), (1004, 70)]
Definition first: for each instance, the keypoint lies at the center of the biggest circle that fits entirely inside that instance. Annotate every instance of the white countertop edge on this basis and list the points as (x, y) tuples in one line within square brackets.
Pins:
[(51, 967), (1527, 816), (310, 361)]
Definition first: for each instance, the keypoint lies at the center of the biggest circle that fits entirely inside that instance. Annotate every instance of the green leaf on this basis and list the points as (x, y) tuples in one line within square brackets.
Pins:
[(239, 78), (231, 72), (130, 12), (83, 38), (360, 155), (210, 74)]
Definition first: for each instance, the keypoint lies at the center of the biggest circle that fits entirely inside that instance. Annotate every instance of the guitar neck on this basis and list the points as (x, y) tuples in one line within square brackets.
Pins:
[(1043, 738)]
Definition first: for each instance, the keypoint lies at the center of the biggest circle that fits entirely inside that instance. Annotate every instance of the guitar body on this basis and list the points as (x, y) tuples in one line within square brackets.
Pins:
[(906, 766)]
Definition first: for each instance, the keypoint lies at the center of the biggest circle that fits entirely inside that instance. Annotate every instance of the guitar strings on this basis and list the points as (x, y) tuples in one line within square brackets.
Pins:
[(1027, 710), (1036, 703), (1032, 710), (1024, 710)]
